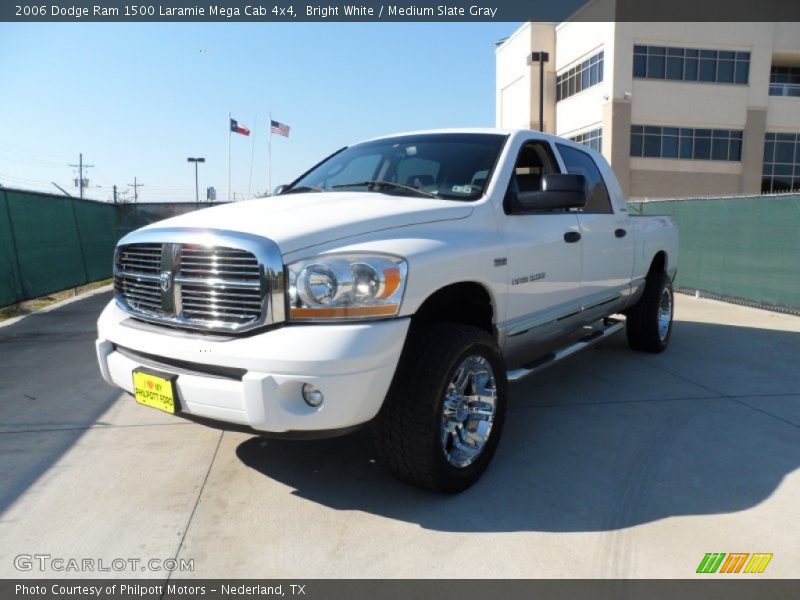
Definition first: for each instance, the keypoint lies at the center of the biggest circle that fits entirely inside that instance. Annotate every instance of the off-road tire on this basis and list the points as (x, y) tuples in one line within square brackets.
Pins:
[(642, 324), (408, 427)]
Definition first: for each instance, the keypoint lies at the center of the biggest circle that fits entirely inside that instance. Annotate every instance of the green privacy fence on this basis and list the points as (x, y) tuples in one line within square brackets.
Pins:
[(743, 249), (736, 248), (50, 243)]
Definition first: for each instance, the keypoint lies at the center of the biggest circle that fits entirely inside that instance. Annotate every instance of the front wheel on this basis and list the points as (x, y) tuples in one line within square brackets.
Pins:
[(442, 419), (649, 323)]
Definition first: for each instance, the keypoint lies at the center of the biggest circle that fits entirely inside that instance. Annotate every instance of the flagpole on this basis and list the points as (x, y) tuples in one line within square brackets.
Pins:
[(252, 152), (229, 157), (269, 158)]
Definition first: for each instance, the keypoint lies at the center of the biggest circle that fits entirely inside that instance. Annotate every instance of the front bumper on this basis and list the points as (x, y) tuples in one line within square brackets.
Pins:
[(256, 381)]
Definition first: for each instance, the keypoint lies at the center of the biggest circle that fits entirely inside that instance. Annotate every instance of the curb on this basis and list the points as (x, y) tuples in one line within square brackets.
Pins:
[(59, 304)]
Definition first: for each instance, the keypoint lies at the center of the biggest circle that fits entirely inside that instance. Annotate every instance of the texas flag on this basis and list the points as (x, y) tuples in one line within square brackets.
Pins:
[(236, 127)]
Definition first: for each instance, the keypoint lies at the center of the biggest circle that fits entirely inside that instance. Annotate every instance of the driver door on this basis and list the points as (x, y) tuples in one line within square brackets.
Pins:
[(544, 265)]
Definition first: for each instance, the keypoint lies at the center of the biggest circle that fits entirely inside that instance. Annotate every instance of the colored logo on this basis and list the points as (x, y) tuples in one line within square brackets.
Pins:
[(734, 562)]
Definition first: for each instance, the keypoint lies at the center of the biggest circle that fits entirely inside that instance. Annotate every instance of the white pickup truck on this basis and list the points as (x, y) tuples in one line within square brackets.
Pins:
[(401, 282)]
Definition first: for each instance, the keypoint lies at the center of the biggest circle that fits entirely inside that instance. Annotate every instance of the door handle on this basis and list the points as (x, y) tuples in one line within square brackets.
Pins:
[(572, 236), (620, 233)]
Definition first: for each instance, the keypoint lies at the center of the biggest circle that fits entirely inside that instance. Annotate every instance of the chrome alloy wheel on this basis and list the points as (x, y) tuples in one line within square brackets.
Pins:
[(470, 406), (664, 314)]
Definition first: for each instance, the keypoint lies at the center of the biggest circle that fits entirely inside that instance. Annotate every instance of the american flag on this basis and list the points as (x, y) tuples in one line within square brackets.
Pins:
[(279, 128)]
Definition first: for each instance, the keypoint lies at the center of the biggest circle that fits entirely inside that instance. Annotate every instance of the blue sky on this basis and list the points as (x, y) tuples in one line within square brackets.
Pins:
[(137, 99)]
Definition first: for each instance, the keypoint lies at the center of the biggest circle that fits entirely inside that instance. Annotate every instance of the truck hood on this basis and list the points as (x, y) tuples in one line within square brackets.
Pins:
[(297, 221)]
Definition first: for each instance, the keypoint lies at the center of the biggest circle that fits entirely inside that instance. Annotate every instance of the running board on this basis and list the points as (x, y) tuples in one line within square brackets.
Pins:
[(610, 326)]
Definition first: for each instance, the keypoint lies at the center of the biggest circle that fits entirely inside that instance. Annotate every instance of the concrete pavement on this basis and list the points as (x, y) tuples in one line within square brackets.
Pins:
[(613, 464)]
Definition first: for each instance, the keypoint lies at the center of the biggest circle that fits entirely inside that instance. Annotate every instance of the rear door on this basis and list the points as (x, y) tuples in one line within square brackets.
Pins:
[(606, 242)]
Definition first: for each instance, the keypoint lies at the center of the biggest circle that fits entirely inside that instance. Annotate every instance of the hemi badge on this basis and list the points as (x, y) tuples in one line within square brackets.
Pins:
[(500, 262)]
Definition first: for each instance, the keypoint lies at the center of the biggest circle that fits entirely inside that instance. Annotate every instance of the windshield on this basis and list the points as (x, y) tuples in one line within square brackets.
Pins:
[(455, 166)]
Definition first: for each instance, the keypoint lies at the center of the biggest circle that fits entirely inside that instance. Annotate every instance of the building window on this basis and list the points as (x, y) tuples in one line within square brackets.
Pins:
[(784, 81), (593, 139), (580, 77), (651, 141), (781, 163), (690, 64)]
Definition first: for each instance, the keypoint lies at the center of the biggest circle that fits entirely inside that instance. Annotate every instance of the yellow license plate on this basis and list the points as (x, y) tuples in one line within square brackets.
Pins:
[(155, 389)]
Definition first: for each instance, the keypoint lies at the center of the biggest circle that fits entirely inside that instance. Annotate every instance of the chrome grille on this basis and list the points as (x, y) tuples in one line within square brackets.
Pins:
[(141, 294), (212, 286), (140, 258), (204, 262), (134, 262), (230, 292)]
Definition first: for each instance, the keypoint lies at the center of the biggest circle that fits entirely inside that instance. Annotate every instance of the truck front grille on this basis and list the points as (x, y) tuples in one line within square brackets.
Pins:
[(219, 284), (135, 261), (192, 285)]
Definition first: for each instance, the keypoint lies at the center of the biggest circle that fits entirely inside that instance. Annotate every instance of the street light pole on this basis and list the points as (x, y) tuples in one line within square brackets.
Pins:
[(196, 183)]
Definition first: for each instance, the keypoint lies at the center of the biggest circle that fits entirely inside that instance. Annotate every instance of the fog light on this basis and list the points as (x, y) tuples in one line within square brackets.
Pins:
[(312, 395)]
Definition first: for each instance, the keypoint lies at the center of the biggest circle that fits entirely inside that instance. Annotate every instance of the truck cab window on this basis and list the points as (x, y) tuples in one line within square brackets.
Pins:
[(534, 160), (579, 162)]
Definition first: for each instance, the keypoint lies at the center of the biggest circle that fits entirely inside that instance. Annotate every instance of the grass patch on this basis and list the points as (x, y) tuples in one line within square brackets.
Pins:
[(30, 306)]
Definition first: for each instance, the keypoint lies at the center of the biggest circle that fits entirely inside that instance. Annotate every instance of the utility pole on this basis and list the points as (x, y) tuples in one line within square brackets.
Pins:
[(115, 194), (80, 166), (136, 185)]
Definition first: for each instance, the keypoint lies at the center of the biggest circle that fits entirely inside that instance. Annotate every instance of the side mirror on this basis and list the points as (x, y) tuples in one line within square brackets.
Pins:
[(559, 190), (279, 190)]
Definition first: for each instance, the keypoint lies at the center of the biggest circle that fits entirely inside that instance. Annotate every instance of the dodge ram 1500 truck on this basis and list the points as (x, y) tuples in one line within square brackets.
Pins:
[(402, 282)]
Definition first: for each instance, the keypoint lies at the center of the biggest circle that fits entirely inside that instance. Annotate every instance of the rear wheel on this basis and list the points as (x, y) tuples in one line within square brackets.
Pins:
[(649, 323), (443, 416)]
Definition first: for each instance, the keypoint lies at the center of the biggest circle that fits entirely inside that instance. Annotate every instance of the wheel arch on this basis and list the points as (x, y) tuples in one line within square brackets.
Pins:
[(659, 263), (465, 302)]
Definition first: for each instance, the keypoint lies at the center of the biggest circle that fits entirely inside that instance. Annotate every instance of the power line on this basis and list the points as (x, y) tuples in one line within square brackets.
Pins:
[(4, 156), (37, 154)]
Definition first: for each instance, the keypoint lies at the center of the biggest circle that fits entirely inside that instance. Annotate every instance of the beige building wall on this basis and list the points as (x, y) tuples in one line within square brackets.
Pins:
[(620, 100), (517, 79), (679, 183), (616, 140), (575, 42)]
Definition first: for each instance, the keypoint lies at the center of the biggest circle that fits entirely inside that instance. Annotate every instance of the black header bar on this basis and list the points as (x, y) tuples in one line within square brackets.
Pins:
[(401, 11)]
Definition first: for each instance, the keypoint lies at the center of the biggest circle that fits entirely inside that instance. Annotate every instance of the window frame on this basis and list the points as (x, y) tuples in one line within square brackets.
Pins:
[(580, 77), (648, 141), (775, 167), (509, 196), (586, 138), (697, 65)]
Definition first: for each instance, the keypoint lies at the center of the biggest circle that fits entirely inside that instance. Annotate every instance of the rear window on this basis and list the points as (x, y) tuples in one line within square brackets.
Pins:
[(579, 162)]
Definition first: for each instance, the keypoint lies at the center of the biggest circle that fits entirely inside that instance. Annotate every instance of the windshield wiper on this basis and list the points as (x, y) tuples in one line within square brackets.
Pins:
[(386, 184), (302, 188)]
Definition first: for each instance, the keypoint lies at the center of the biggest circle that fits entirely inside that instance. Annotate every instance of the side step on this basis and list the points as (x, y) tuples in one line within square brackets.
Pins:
[(610, 326)]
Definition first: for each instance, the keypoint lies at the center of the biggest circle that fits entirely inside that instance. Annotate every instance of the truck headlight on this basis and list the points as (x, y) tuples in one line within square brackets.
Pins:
[(346, 286)]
